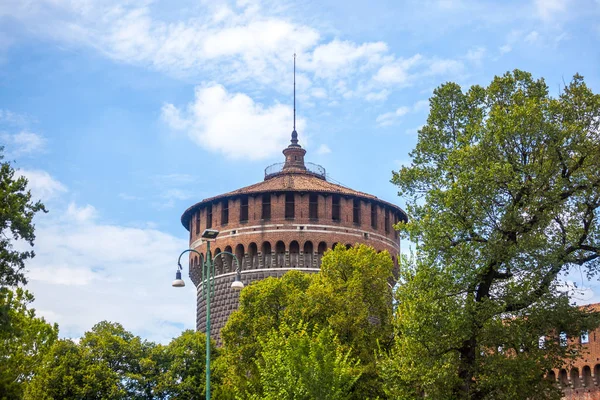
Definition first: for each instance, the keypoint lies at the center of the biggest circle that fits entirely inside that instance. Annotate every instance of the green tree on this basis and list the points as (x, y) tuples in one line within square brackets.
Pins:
[(297, 364), (503, 193), (69, 372), (16, 215), (351, 296), (263, 306), (127, 355), (184, 367), (23, 344)]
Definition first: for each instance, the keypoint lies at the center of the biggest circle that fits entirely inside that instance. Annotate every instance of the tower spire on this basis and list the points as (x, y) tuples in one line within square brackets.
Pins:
[(294, 133)]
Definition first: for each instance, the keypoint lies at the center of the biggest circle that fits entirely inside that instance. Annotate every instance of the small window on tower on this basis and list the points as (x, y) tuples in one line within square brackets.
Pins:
[(373, 216), (198, 222), (335, 207), (562, 339), (266, 206), (209, 216), (313, 206), (289, 205), (585, 338), (225, 212), (356, 211), (387, 221), (244, 209)]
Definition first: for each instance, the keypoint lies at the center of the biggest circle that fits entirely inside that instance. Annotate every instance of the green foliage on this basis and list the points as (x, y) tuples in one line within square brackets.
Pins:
[(69, 371), (263, 307), (297, 364), (16, 214), (111, 363), (23, 344), (350, 296), (123, 353), (184, 361), (503, 192)]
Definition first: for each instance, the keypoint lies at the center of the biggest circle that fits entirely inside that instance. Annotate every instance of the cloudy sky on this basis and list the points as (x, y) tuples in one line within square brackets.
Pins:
[(124, 113)]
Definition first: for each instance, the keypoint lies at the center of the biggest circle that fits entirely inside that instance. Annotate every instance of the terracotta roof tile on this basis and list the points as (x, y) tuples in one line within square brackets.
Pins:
[(290, 181), (295, 182)]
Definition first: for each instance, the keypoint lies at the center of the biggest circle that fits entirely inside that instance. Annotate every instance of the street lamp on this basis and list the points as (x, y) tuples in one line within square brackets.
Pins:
[(208, 286)]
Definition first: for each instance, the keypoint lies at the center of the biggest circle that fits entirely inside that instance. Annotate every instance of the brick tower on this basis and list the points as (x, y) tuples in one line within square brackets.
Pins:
[(285, 222)]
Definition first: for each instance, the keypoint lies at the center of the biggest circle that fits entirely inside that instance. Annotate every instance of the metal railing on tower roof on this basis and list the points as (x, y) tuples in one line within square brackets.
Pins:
[(311, 168)]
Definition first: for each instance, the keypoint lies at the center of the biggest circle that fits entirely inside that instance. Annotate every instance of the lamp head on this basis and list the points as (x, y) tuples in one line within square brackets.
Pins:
[(237, 284), (210, 234), (178, 282)]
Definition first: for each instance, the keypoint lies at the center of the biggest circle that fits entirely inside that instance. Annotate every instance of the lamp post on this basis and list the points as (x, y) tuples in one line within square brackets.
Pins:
[(208, 286)]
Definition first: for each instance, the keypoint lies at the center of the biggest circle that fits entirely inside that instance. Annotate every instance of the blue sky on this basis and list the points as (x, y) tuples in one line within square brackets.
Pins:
[(124, 113)]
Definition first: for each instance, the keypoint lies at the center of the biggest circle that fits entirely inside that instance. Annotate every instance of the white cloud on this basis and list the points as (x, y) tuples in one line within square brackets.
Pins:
[(23, 143), (319, 93), (505, 49), (86, 271), (397, 72), (548, 9), (42, 185), (323, 149), (476, 55), (382, 95), (532, 37), (392, 117), (406, 71), (338, 58), (11, 118), (220, 121), (81, 214)]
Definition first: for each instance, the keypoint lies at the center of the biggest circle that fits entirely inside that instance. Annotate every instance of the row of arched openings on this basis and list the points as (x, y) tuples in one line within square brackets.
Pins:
[(270, 256), (573, 378)]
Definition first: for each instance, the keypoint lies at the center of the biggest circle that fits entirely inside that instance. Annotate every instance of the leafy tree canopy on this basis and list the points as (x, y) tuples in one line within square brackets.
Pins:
[(503, 193), (351, 296), (16, 215), (23, 344)]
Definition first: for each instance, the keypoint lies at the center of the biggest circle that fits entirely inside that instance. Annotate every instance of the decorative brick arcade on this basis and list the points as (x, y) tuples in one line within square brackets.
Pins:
[(285, 222), (581, 379)]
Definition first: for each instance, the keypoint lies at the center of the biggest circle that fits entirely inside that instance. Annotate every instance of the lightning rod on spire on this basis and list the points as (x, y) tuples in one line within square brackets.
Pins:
[(294, 92)]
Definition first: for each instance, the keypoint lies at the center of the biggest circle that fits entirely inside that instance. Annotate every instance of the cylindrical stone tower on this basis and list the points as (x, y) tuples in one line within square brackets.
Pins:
[(285, 222)]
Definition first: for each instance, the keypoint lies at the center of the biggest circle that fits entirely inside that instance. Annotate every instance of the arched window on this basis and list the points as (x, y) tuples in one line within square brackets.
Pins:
[(267, 255), (294, 253), (252, 256), (308, 254), (322, 248), (227, 260), (563, 378), (587, 376), (239, 253), (575, 378), (218, 262), (551, 376), (279, 254)]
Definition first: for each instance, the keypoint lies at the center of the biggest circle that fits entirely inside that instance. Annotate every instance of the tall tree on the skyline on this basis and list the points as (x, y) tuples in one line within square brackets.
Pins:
[(16, 215), (503, 193)]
